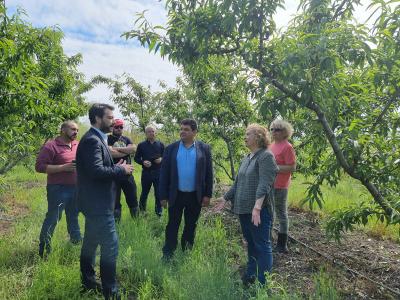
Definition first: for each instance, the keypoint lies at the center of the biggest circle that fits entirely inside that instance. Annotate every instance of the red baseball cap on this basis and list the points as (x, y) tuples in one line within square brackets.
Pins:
[(118, 122)]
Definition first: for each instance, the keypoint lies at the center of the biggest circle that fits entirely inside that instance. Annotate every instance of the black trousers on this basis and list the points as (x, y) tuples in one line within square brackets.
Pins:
[(149, 178), (128, 186), (186, 204)]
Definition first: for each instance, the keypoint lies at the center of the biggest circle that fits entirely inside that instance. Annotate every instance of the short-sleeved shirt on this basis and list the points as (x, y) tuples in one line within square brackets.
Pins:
[(284, 155), (120, 142), (56, 152)]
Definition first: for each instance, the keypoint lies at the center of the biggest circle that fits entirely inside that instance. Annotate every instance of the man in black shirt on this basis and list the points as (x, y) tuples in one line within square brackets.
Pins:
[(121, 147), (149, 154)]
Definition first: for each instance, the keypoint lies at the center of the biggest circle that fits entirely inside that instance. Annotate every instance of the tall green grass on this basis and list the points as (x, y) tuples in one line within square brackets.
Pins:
[(347, 193), (209, 271)]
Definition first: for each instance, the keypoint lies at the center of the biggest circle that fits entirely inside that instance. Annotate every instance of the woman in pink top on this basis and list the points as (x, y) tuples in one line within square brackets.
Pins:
[(286, 160)]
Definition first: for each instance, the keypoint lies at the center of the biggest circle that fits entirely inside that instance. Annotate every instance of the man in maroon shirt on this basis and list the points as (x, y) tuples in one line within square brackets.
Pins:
[(57, 159)]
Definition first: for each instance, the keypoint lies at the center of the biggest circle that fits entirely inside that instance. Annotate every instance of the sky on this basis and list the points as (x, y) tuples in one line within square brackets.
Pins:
[(94, 27)]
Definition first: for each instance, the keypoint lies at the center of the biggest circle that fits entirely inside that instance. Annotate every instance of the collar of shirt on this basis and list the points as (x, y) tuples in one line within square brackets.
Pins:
[(60, 142), (181, 144), (252, 154), (151, 143), (102, 134)]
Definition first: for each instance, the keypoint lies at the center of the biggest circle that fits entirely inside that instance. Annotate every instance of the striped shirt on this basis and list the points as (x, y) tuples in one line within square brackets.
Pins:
[(255, 180)]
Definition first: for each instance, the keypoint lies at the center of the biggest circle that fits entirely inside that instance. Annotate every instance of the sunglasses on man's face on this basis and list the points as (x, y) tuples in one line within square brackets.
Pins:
[(119, 127), (276, 129)]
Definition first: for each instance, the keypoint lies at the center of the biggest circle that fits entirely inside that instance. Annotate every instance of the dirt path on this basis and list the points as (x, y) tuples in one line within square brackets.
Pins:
[(376, 259), (11, 209)]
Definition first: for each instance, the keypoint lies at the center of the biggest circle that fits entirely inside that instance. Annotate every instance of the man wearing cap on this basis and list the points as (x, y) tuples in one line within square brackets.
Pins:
[(121, 147), (57, 160)]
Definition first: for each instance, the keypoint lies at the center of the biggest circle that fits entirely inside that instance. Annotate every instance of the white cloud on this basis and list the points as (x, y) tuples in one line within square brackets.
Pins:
[(93, 28), (110, 60), (99, 20)]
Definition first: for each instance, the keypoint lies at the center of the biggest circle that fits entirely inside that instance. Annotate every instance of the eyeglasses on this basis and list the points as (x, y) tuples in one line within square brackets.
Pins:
[(118, 127), (276, 129)]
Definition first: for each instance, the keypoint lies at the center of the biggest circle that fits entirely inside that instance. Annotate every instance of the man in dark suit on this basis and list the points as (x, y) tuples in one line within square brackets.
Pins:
[(96, 199), (186, 183)]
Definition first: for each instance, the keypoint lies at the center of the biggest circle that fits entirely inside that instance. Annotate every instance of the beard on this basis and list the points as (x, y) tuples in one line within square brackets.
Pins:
[(105, 128), (72, 137)]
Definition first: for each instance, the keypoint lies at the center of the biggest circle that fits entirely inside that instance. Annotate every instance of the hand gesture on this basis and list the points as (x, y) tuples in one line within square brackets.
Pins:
[(69, 167), (205, 202), (220, 205), (255, 216), (164, 203), (158, 160), (147, 163), (127, 168)]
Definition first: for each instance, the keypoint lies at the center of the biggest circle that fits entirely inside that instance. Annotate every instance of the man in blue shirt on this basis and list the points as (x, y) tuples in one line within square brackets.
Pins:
[(186, 183)]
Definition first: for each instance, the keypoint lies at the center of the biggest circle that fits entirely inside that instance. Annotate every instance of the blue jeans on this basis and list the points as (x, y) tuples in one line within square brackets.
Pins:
[(100, 231), (60, 197), (259, 250)]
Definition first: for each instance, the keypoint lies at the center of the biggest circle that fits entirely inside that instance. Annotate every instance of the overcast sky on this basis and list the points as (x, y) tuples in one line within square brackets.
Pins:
[(93, 28)]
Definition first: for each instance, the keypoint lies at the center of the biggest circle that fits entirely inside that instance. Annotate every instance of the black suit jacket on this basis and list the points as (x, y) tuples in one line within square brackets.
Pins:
[(96, 174), (168, 185)]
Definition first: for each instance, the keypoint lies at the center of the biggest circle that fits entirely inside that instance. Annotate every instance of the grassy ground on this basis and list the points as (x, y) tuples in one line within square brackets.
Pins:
[(347, 193), (207, 272)]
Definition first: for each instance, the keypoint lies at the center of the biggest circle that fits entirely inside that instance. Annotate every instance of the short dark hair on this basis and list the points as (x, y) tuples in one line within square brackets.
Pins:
[(97, 110), (190, 122)]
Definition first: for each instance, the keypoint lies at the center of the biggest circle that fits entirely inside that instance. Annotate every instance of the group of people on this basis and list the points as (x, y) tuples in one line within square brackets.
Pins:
[(88, 177)]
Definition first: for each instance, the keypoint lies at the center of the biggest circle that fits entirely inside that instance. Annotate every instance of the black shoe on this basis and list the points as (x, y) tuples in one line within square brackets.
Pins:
[(248, 280), (114, 295), (92, 287), (44, 250), (167, 258), (281, 244)]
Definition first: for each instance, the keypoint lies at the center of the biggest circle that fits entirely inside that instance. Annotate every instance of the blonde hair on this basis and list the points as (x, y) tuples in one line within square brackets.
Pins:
[(282, 124), (263, 139)]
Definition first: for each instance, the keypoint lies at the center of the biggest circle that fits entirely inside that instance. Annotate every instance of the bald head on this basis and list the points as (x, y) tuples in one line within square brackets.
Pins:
[(150, 132), (68, 123), (69, 130)]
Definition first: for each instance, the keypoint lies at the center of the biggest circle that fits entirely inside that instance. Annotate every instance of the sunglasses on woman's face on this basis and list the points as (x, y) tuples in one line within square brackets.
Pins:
[(118, 127), (276, 129)]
